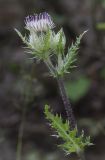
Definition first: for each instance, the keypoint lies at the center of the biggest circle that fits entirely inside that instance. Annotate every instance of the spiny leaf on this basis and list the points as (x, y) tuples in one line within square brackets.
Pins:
[(72, 141), (70, 57), (21, 36)]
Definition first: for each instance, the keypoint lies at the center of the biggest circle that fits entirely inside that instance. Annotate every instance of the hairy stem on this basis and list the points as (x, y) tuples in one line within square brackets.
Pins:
[(64, 96), (67, 104)]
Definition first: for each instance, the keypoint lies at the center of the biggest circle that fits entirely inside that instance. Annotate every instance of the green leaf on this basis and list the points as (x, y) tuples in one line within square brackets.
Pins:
[(102, 73), (78, 88), (100, 26), (72, 142), (72, 53), (69, 59)]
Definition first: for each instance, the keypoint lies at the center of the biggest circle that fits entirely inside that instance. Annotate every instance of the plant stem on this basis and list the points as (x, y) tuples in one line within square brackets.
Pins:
[(67, 104), (64, 96), (20, 134), (50, 66)]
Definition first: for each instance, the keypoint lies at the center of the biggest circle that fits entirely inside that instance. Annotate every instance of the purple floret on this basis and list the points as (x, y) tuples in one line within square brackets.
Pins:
[(39, 22)]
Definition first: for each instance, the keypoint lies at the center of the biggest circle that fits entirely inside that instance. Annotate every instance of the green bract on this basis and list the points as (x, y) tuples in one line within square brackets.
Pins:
[(58, 42), (39, 45), (44, 45)]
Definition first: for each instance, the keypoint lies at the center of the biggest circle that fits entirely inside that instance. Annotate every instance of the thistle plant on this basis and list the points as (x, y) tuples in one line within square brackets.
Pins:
[(45, 45)]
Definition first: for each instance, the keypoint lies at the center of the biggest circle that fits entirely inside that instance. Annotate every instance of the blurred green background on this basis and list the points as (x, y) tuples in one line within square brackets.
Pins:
[(23, 82)]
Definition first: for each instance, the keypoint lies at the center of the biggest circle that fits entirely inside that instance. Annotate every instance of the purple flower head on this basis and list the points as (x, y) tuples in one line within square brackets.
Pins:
[(41, 22)]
